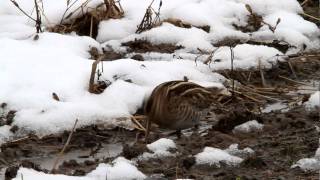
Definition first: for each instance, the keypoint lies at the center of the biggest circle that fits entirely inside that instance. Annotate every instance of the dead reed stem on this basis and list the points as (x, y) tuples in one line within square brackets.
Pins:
[(64, 147), (38, 21), (293, 81), (93, 74), (292, 70), (232, 73), (263, 80)]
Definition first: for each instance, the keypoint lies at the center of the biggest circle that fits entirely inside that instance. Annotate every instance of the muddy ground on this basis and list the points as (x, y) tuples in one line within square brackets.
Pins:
[(288, 135)]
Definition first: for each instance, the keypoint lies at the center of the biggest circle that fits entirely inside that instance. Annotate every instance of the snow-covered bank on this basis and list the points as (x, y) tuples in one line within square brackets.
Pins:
[(31, 70)]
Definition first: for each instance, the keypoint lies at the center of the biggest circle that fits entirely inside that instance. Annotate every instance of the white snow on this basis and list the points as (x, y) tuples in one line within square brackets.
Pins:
[(32, 70), (235, 151), (213, 156), (219, 15), (278, 106), (309, 164), (120, 168), (5, 133), (160, 149), (314, 100), (312, 164), (249, 126)]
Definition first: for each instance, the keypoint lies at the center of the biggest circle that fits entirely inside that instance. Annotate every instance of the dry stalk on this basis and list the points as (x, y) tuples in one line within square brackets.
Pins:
[(264, 96), (147, 20), (64, 147), (67, 9), (209, 59), (91, 25), (304, 2), (37, 20), (112, 10), (294, 81), (310, 16), (92, 86), (247, 96), (257, 20), (232, 72), (263, 80), (137, 124), (292, 70)]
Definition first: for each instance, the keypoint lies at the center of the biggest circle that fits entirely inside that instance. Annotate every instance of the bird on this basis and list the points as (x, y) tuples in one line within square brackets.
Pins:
[(178, 105)]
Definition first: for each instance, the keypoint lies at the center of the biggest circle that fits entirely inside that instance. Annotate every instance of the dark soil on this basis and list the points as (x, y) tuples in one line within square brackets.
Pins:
[(141, 46)]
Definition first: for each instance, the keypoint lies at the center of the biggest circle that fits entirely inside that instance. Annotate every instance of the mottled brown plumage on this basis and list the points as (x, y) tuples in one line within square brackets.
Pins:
[(178, 105)]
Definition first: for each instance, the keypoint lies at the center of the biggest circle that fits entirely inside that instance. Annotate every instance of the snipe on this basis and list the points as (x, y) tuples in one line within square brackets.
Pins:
[(178, 105)]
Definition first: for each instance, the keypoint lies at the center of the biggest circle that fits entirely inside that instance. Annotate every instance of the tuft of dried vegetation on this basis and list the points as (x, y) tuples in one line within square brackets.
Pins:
[(87, 23), (152, 19), (255, 22), (101, 85), (148, 21)]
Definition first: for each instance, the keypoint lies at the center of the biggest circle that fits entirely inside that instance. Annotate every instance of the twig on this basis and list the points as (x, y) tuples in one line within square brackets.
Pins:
[(38, 21), (18, 140), (291, 80), (64, 147), (310, 16), (263, 81), (266, 97), (292, 70), (304, 2), (249, 77), (91, 25), (247, 96), (138, 124), (17, 5), (232, 76), (68, 7)]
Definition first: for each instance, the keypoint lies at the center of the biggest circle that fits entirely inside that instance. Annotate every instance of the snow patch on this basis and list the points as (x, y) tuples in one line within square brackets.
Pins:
[(213, 156), (113, 171), (249, 126), (160, 149), (309, 164), (314, 100)]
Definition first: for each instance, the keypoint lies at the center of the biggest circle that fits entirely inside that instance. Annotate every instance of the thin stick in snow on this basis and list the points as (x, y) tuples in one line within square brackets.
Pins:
[(64, 147)]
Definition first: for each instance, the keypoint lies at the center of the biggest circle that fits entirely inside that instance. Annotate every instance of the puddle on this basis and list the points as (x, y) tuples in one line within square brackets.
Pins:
[(107, 151)]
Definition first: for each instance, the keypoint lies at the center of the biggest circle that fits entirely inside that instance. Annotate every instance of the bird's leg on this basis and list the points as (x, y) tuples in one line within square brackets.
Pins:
[(195, 129), (178, 133), (147, 130)]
